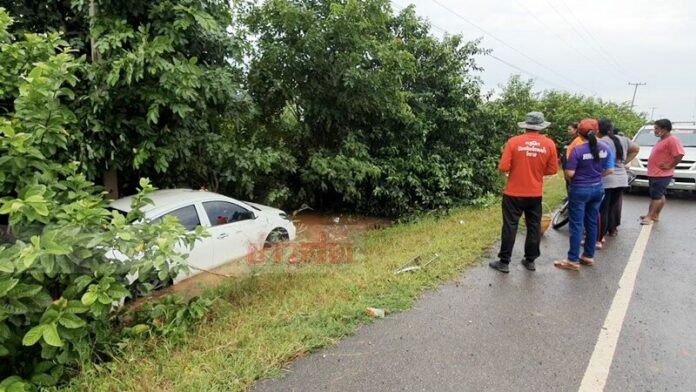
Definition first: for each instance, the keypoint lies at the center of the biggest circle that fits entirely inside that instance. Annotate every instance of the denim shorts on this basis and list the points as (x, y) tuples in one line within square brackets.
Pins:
[(658, 187)]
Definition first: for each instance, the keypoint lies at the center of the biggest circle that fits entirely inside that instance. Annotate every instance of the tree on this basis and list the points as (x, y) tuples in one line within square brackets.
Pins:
[(168, 80), (59, 279), (560, 108), (379, 114)]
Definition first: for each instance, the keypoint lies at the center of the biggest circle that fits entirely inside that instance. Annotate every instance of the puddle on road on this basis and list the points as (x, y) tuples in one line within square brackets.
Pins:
[(310, 228)]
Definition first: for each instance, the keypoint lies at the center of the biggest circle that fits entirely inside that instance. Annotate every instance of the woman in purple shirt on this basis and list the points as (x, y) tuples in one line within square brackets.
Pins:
[(587, 164)]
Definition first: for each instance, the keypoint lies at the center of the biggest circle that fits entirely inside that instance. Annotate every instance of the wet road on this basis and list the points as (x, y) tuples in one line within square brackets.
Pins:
[(536, 331)]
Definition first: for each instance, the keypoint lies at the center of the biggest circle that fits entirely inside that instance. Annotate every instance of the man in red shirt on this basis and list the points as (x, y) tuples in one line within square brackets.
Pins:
[(664, 157), (527, 158)]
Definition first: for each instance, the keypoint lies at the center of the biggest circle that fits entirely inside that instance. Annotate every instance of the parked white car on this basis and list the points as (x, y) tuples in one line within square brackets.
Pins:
[(235, 227), (685, 173)]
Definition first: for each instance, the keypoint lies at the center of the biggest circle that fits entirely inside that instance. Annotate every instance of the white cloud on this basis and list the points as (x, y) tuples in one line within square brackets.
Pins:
[(651, 42)]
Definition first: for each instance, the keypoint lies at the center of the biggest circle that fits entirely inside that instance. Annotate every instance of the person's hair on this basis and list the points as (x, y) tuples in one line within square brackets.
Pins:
[(606, 128), (664, 124), (594, 148), (573, 125)]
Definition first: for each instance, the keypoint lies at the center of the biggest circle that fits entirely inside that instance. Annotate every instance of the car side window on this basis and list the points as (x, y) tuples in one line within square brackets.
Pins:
[(188, 216), (222, 212)]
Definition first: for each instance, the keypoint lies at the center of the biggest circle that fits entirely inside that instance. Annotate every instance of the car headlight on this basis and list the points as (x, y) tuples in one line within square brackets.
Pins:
[(284, 215)]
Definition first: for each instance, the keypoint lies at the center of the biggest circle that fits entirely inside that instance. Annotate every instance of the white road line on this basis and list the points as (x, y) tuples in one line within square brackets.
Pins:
[(597, 370)]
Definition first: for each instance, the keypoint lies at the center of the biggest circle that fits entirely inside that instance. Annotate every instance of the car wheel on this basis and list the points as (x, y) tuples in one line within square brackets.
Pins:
[(276, 236), (140, 290)]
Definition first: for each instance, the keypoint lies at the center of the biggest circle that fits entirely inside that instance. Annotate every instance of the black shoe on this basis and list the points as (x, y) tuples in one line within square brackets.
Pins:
[(500, 266), (529, 264)]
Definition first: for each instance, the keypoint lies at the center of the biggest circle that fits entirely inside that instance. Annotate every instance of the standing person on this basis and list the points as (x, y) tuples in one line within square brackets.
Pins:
[(587, 163), (573, 141), (624, 150), (527, 158), (664, 157), (572, 135)]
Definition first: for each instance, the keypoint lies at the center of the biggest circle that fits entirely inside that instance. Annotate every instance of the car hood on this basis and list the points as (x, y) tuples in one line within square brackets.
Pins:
[(689, 153), (265, 209)]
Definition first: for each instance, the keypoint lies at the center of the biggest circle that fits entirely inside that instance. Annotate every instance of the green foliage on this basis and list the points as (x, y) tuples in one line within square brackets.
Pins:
[(163, 81), (560, 108), (381, 116), (169, 316), (67, 261)]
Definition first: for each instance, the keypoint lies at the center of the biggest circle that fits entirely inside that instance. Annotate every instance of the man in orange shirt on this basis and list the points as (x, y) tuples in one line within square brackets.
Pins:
[(527, 158)]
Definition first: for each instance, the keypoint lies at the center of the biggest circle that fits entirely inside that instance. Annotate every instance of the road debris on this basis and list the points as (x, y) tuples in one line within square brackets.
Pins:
[(376, 312), (414, 264)]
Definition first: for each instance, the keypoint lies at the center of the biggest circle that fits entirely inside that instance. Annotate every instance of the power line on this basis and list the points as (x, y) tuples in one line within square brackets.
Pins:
[(510, 46), (559, 37), (599, 45), (593, 45), (525, 71), (516, 67), (579, 34)]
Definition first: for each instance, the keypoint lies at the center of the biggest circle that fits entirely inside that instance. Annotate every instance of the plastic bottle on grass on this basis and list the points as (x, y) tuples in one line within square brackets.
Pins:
[(376, 312)]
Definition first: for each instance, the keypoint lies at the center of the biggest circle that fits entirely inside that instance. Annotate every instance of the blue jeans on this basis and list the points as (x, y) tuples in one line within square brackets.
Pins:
[(583, 210)]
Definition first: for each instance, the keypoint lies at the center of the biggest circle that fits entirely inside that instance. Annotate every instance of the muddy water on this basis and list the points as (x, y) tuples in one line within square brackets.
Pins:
[(311, 229), (311, 226)]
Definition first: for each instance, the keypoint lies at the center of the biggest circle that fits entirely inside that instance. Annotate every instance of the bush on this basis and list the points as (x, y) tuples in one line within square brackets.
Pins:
[(58, 285), (385, 118), (560, 108)]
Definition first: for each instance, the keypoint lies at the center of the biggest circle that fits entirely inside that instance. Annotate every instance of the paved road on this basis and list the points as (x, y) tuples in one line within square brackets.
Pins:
[(532, 331)]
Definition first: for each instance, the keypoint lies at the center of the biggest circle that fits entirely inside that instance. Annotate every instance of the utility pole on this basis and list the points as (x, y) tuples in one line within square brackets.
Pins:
[(635, 90), (652, 112)]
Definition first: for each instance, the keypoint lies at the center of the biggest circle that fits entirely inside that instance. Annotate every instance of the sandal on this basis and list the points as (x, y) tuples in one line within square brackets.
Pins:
[(567, 264), (586, 261)]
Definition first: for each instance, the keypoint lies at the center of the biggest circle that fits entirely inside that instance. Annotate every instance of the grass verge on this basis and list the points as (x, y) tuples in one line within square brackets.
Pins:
[(260, 324)]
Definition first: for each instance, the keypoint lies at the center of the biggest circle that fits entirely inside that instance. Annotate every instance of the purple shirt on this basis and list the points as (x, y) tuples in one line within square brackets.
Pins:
[(588, 172)]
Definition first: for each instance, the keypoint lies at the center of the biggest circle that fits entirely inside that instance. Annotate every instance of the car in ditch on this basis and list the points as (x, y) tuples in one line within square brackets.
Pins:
[(235, 227)]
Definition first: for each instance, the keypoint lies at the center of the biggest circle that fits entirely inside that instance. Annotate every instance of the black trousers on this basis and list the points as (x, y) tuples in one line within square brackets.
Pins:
[(610, 211), (513, 208)]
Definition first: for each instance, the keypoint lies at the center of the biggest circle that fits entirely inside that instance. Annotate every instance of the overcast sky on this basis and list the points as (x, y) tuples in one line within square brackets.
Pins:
[(589, 46)]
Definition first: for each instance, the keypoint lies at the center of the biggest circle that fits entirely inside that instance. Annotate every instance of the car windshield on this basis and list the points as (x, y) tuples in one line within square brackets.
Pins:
[(646, 137)]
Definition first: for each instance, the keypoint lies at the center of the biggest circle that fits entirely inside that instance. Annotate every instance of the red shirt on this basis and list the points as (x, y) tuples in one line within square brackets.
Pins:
[(664, 151), (528, 158)]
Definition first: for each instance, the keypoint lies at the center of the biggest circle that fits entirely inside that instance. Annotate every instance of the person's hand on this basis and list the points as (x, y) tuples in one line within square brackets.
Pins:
[(664, 166)]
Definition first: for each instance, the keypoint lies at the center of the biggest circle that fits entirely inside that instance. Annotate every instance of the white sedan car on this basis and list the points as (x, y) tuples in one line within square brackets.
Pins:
[(235, 227)]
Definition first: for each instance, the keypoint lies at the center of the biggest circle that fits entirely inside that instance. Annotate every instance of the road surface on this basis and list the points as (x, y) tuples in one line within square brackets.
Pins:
[(549, 330)]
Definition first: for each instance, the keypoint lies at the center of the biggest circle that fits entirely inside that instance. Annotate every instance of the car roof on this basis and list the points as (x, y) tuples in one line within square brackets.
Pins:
[(675, 125), (165, 198)]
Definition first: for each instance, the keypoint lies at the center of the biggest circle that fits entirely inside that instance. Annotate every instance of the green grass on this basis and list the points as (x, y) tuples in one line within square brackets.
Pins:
[(259, 324)]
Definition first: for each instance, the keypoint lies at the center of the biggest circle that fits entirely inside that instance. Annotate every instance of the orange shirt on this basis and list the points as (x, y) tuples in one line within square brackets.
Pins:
[(528, 158), (576, 142)]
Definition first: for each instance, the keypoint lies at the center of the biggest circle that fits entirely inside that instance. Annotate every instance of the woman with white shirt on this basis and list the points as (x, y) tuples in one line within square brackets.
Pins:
[(625, 151)]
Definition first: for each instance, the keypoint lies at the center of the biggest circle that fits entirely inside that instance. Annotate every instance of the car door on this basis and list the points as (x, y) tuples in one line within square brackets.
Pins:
[(235, 229), (201, 256)]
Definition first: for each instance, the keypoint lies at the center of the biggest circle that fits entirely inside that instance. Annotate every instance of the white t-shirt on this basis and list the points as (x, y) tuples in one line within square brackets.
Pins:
[(620, 178)]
